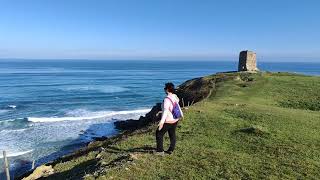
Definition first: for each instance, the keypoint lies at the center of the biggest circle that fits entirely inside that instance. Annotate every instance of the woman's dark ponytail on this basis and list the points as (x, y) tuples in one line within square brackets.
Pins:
[(169, 87)]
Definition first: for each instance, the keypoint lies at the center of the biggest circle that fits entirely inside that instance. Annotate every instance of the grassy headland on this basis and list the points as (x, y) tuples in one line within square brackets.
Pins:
[(253, 126)]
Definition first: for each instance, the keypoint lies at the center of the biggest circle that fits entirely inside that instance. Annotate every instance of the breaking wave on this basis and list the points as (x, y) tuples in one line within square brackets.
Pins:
[(86, 115)]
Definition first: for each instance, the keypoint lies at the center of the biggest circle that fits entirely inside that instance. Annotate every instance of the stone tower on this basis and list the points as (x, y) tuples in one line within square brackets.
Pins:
[(247, 61)]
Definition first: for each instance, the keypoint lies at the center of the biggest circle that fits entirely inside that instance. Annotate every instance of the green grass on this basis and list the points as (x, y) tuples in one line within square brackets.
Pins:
[(257, 126)]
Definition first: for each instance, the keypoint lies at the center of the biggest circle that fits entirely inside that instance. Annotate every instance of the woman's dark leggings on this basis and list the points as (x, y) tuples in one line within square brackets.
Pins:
[(171, 128)]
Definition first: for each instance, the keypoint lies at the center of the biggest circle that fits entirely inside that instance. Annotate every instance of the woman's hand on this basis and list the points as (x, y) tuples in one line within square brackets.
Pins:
[(160, 112), (160, 126)]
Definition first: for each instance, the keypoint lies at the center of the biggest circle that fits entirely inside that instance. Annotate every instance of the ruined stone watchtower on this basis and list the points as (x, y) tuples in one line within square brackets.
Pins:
[(247, 61)]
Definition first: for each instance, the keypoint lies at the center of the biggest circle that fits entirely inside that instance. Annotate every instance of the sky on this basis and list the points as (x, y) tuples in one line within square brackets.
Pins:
[(159, 29)]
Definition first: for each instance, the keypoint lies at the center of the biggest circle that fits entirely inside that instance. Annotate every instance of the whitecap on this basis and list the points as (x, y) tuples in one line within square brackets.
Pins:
[(7, 120), (12, 120), (14, 154), (100, 88), (12, 106), (86, 115), (2, 111)]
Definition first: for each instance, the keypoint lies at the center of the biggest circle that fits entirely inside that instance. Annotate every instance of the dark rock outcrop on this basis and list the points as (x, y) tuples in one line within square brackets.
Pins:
[(150, 117), (190, 92), (195, 90)]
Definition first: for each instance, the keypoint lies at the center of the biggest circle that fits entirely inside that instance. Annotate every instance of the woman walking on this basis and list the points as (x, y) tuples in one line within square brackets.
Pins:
[(169, 119)]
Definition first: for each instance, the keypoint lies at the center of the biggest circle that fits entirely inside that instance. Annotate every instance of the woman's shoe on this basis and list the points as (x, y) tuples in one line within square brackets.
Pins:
[(161, 153), (169, 152)]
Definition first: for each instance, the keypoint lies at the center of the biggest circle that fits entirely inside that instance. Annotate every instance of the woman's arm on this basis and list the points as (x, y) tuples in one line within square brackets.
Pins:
[(165, 113), (164, 116)]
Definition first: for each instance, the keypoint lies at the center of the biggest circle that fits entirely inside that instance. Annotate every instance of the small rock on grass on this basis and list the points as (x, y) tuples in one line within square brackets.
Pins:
[(99, 156), (133, 156), (41, 171)]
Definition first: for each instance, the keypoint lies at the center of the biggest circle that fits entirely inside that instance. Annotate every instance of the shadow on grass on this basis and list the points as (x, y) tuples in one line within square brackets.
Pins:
[(77, 172), (144, 149), (94, 166)]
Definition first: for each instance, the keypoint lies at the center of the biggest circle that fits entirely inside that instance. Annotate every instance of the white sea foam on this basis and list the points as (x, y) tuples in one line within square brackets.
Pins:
[(12, 130), (13, 154), (86, 115)]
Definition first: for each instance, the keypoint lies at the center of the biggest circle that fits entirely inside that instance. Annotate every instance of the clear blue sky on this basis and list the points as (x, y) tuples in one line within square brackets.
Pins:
[(159, 29)]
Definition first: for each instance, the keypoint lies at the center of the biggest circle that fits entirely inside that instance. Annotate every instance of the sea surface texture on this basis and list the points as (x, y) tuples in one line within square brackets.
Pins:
[(51, 107)]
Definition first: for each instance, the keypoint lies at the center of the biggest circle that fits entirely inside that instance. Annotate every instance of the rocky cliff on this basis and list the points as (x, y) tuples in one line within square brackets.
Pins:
[(190, 92)]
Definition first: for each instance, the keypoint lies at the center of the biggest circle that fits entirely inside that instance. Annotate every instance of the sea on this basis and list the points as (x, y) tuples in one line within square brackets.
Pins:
[(49, 108)]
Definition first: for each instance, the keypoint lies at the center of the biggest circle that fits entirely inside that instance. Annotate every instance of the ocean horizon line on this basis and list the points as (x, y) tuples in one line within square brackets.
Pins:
[(235, 59)]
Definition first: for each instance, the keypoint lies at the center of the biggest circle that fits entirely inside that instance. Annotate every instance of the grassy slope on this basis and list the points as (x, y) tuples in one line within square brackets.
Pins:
[(260, 128)]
